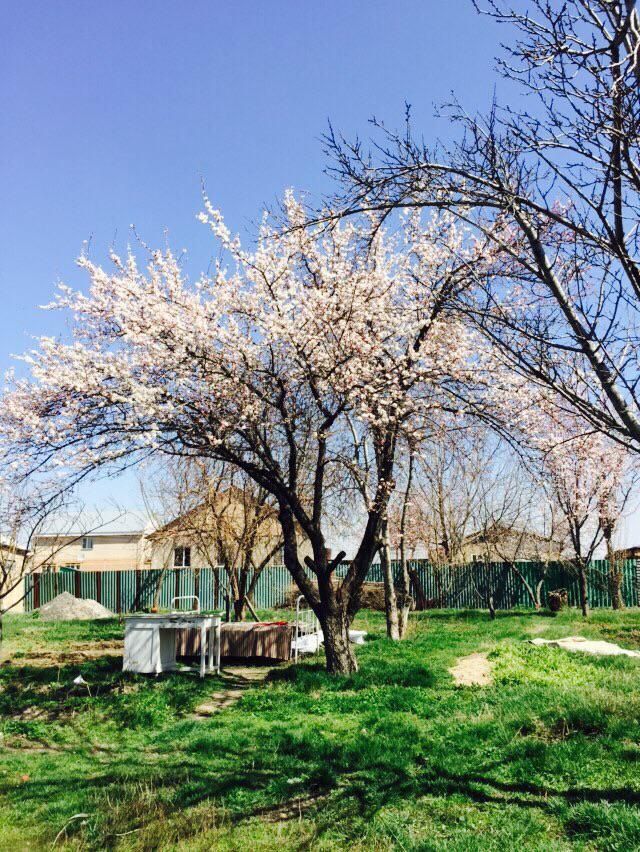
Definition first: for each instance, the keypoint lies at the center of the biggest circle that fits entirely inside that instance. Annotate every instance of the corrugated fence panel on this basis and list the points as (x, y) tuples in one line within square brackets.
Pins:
[(450, 586)]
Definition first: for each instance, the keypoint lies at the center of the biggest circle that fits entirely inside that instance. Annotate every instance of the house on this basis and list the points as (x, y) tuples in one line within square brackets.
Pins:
[(502, 543), (118, 545), (231, 528), (12, 569)]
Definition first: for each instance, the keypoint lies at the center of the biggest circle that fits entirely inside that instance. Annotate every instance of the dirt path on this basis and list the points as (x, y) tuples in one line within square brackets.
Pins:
[(474, 670), (236, 679)]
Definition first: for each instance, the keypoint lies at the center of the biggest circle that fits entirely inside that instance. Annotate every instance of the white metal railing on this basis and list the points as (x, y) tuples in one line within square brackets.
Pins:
[(307, 625), (185, 598)]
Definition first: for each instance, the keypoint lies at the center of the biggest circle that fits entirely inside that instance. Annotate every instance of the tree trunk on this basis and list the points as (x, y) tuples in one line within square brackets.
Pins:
[(615, 584), (420, 595), (155, 605), (615, 572), (492, 607), (584, 588), (404, 582), (390, 599), (337, 648), (404, 598), (240, 609), (533, 597)]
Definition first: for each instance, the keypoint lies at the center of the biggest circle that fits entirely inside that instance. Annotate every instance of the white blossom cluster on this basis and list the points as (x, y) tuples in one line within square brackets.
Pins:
[(314, 324)]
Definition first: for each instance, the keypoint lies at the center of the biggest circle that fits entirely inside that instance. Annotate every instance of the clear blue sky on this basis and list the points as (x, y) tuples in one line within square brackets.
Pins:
[(112, 112)]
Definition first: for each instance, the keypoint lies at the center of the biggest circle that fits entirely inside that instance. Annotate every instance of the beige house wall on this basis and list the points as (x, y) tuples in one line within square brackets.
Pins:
[(187, 532), (14, 600), (127, 551), (162, 552), (113, 552)]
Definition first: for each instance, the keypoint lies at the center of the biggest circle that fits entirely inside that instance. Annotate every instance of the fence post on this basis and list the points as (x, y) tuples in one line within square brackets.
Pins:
[(77, 588), (136, 602), (99, 586), (36, 591), (118, 592)]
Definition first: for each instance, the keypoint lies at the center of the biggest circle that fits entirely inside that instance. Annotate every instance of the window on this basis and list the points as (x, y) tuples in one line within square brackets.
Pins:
[(87, 543), (182, 557)]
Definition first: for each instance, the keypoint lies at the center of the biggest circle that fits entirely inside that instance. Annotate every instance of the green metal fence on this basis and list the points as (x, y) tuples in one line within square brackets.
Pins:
[(451, 586), (470, 586)]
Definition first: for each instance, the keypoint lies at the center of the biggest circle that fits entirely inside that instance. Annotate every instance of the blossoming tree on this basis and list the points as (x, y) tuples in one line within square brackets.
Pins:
[(260, 365), (586, 476)]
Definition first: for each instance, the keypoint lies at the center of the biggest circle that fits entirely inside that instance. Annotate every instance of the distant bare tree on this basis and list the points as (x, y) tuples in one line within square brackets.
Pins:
[(24, 514)]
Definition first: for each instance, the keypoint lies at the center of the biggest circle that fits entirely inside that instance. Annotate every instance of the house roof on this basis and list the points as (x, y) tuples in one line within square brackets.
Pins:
[(96, 525), (182, 521), (7, 544), (90, 534), (496, 532)]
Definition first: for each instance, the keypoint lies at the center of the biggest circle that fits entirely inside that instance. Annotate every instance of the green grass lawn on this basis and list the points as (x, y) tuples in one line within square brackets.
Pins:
[(397, 757)]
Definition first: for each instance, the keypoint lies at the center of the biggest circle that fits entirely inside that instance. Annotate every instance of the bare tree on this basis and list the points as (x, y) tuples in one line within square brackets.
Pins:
[(218, 510), (515, 525), (554, 187), (24, 514)]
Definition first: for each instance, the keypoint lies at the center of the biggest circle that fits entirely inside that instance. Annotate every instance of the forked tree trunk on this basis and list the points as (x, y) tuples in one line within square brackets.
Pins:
[(240, 609), (338, 650), (390, 599)]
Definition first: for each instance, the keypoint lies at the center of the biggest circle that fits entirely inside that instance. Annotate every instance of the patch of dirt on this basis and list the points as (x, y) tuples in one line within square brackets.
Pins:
[(474, 670), (76, 653), (237, 680)]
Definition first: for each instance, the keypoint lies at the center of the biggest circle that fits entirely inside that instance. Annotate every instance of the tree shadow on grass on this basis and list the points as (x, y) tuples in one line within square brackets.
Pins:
[(397, 673), (49, 694), (465, 615), (333, 784)]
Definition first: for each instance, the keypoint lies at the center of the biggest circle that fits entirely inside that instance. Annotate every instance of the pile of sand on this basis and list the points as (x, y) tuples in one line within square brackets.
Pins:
[(67, 608), (474, 670)]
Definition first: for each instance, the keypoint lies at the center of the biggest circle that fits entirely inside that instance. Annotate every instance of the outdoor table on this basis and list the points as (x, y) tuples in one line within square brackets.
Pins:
[(150, 641)]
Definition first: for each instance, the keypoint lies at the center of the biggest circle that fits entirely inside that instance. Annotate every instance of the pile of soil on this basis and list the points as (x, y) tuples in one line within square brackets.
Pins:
[(67, 608)]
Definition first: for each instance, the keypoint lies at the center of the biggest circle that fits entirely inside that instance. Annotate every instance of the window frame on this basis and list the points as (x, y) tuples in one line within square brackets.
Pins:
[(185, 552)]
